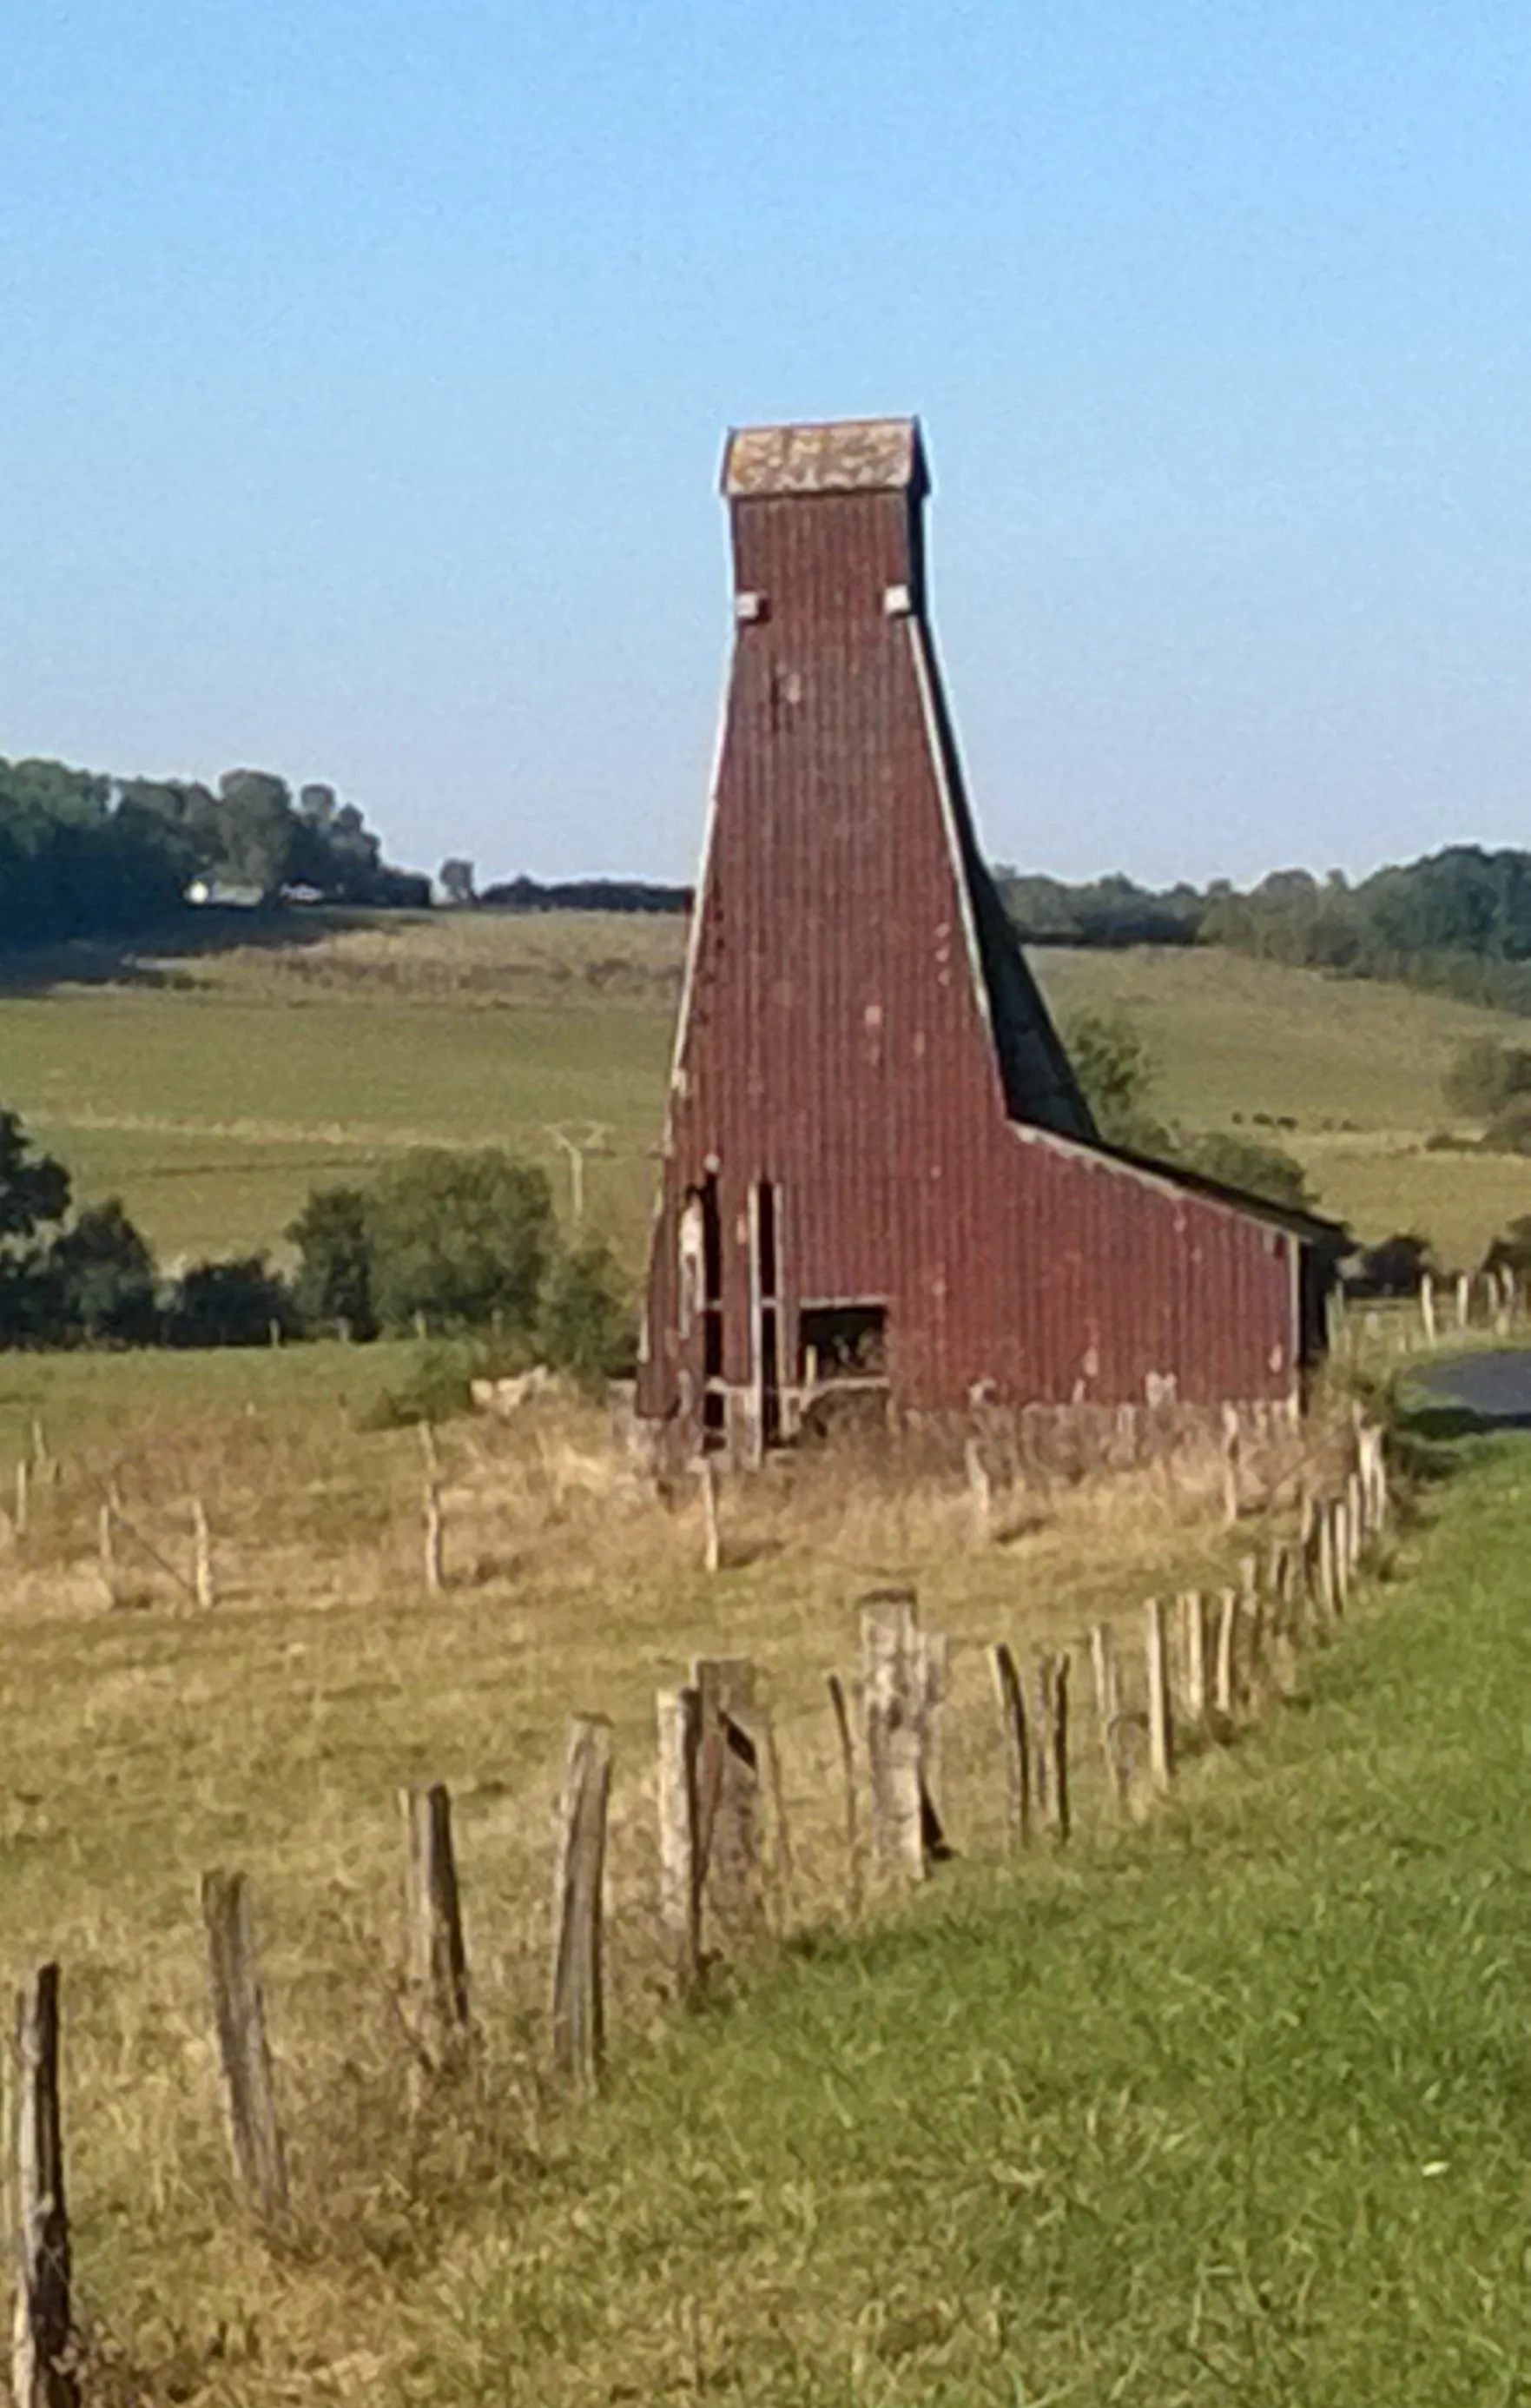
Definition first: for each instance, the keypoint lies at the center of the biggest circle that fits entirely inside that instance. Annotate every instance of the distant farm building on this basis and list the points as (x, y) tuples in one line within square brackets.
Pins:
[(879, 1174)]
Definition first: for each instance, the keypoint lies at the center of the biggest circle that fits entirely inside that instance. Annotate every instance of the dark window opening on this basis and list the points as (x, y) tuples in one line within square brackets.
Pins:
[(841, 1341)]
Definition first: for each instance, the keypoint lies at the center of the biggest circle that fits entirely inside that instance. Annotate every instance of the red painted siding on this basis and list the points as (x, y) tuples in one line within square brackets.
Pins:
[(834, 1042)]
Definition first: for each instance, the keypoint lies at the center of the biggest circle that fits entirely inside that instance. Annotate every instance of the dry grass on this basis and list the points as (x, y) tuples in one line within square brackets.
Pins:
[(148, 1742)]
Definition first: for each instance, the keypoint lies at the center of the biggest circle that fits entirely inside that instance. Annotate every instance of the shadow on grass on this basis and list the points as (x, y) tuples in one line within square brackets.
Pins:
[(152, 956)]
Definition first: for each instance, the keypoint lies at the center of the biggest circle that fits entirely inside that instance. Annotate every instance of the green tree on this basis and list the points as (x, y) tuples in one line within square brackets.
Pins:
[(334, 1279), (1113, 1065), (1265, 1170), (464, 1239), (104, 1278), (587, 1326)]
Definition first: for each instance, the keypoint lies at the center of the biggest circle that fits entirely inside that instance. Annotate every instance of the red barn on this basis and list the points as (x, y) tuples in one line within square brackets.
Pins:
[(879, 1171)]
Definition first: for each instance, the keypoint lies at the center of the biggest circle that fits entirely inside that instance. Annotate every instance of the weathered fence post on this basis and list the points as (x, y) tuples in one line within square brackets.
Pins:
[(1013, 1716), (23, 1498), (1161, 1725), (706, 1473), (249, 2101), (434, 1957), (847, 1774), (1355, 1521), (204, 1581), (1225, 1673), (41, 2372), (1464, 1299), (436, 1539), (894, 1686), (980, 1492), (1428, 1308), (105, 1544), (1193, 1657), (1107, 1675), (1328, 1578), (679, 1713), (579, 2005), (728, 1793), (1053, 1699), (1339, 1552)]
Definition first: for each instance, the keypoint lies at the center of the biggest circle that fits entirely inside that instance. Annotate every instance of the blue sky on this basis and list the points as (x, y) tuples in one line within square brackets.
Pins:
[(364, 371)]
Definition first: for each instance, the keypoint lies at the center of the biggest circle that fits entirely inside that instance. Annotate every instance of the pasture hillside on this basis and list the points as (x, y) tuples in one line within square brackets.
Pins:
[(212, 1089)]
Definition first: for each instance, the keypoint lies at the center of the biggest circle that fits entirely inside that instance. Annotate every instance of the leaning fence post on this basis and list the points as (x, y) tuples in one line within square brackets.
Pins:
[(1108, 1680), (41, 2373), (579, 2008), (848, 1775), (436, 1959), (1160, 1719), (1012, 1714), (240, 2015)]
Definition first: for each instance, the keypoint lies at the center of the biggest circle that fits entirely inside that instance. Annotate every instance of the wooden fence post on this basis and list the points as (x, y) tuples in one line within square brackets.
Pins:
[(1355, 1521), (1224, 1666), (728, 1793), (434, 1957), (249, 2101), (436, 1539), (706, 1473), (1427, 1309), (847, 1774), (106, 1543), (1160, 1719), (980, 1492), (23, 1498), (679, 1895), (203, 1581), (1193, 1657), (1108, 1683), (579, 2005), (893, 1690), (1339, 1552), (41, 2372), (1464, 1299), (1054, 1689), (1013, 1716)]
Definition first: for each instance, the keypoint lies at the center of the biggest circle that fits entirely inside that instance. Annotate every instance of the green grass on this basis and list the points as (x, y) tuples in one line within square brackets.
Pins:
[(213, 1098), (1236, 2109)]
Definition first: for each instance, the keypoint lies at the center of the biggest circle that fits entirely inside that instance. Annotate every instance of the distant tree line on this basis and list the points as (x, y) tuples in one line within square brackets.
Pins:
[(453, 1245), (1457, 921), (86, 856), (574, 894)]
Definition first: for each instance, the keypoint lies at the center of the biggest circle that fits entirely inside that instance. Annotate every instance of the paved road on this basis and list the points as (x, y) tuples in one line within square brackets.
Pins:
[(1495, 1387)]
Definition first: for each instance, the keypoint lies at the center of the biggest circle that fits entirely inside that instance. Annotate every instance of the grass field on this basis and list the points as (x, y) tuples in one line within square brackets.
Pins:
[(1229, 2106), (212, 1090), (1152, 2126)]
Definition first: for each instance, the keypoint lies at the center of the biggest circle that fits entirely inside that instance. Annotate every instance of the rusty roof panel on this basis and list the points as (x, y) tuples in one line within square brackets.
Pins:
[(847, 455)]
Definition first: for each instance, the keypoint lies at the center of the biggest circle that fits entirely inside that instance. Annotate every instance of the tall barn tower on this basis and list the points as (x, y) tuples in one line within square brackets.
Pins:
[(880, 1172)]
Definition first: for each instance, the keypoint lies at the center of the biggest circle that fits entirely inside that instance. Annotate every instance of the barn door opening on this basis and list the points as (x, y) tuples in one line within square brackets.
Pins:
[(765, 1306)]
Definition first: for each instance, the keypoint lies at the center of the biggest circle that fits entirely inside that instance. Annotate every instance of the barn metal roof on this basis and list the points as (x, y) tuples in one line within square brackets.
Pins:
[(847, 455)]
